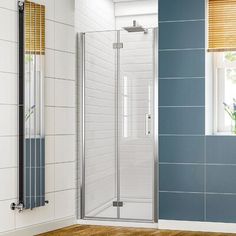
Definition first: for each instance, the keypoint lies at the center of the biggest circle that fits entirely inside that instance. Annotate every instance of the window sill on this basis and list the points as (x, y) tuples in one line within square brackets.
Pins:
[(223, 134)]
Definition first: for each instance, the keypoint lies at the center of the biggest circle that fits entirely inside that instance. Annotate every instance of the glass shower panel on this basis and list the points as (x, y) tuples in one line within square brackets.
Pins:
[(136, 157), (100, 122)]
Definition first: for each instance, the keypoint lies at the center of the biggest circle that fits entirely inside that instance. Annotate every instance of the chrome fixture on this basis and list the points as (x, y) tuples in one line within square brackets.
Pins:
[(135, 28)]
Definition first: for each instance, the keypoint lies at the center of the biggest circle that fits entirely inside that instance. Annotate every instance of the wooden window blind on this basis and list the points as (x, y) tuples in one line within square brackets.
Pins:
[(34, 28), (222, 25)]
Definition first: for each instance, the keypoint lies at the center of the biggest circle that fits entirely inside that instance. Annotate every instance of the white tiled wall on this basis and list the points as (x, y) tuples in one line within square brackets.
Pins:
[(143, 11), (59, 115)]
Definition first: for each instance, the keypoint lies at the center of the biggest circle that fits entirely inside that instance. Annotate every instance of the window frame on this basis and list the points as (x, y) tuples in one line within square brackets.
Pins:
[(218, 62)]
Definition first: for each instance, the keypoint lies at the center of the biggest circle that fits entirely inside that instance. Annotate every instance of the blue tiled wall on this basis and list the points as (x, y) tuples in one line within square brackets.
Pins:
[(197, 172)]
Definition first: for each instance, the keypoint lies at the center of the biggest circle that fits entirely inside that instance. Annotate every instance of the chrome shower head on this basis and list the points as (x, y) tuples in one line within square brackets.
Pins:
[(135, 28)]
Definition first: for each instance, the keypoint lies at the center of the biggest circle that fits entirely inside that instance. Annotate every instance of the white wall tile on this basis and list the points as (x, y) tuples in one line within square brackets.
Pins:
[(8, 88), (64, 148), (50, 9), (64, 176), (8, 147), (64, 120), (94, 15), (64, 37), (37, 215), (49, 6), (49, 63), (7, 216), (9, 4), (144, 12), (49, 92), (50, 34), (49, 120), (64, 11), (8, 183), (50, 178), (64, 65), (8, 25), (64, 93), (8, 120), (64, 208), (49, 149), (136, 8), (8, 62)]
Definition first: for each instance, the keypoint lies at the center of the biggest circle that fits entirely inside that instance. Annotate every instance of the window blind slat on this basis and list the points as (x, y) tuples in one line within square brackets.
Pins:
[(34, 28), (222, 25)]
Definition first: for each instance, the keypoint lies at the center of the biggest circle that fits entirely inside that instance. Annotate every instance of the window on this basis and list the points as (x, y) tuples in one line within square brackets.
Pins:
[(222, 49), (224, 72)]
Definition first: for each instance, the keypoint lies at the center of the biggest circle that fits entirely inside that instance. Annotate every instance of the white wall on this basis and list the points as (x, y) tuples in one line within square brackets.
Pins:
[(94, 15), (59, 112), (143, 11)]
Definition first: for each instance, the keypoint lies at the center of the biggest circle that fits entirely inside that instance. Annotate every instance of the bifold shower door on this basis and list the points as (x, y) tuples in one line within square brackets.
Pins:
[(119, 160)]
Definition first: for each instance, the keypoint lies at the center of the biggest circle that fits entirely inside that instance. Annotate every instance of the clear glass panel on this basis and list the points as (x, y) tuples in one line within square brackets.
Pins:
[(118, 125), (100, 124), (136, 156)]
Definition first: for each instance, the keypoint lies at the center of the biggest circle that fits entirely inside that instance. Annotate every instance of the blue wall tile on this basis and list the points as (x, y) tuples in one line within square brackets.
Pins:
[(181, 120), (181, 92), (221, 178), (221, 208), (221, 149), (182, 177), (182, 35), (186, 63), (182, 206), (180, 149), (171, 10)]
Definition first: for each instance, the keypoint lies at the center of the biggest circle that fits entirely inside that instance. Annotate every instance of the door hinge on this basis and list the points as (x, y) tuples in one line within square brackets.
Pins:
[(117, 204), (117, 45)]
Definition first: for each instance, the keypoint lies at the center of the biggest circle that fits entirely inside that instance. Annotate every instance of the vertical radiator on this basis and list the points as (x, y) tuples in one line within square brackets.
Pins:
[(31, 145)]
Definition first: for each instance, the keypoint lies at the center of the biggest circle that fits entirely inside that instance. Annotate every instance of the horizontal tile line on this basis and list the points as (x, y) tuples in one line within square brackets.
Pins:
[(6, 200), (181, 49), (162, 78), (213, 193), (181, 135), (7, 168), (9, 136), (57, 163), (10, 104), (63, 134), (52, 135), (9, 72), (182, 192), (9, 9), (137, 14), (58, 50), (63, 190), (180, 21), (175, 163), (181, 106), (62, 23), (219, 164), (8, 41), (57, 106), (59, 78)]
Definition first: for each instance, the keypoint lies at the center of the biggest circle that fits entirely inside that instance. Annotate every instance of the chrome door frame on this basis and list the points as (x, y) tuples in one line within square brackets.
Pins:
[(80, 139)]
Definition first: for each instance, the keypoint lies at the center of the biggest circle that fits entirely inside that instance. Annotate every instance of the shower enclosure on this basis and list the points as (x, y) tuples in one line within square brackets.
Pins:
[(118, 125)]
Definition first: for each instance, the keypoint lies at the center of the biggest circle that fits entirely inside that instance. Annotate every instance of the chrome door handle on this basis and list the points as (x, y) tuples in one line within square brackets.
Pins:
[(148, 124)]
